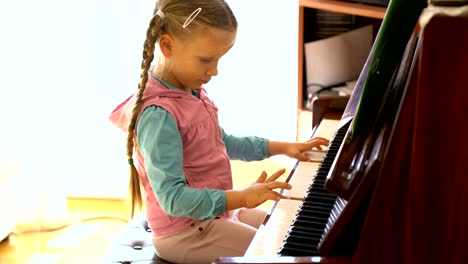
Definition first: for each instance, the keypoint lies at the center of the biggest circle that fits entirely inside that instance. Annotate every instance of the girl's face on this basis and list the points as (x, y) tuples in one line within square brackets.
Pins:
[(191, 62)]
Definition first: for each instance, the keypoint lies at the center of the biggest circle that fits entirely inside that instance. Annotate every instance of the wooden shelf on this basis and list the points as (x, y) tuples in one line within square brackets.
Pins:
[(345, 7)]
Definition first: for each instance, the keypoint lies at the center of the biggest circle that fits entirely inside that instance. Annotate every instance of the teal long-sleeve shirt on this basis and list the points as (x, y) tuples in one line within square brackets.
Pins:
[(160, 144)]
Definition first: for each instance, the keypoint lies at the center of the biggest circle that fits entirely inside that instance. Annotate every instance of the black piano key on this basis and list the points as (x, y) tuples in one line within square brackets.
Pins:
[(315, 211), (305, 236), (307, 227), (318, 182), (288, 250), (324, 204), (320, 198), (305, 224), (314, 217), (310, 209), (321, 191), (304, 243), (308, 232)]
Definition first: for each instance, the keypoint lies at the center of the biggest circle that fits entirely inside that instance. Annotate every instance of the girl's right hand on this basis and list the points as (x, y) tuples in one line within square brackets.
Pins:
[(263, 189), (259, 192)]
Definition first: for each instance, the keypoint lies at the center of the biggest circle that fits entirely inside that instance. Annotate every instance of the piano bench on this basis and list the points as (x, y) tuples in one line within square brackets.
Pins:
[(134, 245)]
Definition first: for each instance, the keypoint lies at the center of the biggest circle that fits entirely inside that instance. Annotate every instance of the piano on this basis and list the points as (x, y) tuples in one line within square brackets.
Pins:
[(400, 194)]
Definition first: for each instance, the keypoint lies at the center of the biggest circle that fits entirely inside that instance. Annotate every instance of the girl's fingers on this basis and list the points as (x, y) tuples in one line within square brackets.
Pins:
[(279, 185), (275, 175), (303, 157), (272, 195), (318, 142), (262, 177)]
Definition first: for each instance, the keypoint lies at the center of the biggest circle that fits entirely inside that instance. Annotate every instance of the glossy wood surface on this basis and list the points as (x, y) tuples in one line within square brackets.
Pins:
[(419, 212), (346, 7)]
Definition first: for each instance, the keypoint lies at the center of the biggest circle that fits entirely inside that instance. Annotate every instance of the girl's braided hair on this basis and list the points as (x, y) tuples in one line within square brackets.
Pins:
[(214, 13)]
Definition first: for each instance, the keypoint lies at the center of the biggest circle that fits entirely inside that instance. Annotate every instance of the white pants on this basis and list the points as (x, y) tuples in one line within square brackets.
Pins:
[(206, 240)]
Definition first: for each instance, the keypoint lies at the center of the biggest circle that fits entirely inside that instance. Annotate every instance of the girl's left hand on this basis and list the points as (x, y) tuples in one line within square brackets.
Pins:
[(298, 150)]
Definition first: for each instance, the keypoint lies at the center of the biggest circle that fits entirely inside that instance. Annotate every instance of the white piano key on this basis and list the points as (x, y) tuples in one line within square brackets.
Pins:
[(271, 234)]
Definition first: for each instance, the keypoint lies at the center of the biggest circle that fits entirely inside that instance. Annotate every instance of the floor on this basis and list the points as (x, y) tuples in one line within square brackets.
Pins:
[(93, 224), (64, 245)]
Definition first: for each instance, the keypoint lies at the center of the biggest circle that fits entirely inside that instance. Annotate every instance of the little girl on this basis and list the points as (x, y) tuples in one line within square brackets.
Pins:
[(176, 148)]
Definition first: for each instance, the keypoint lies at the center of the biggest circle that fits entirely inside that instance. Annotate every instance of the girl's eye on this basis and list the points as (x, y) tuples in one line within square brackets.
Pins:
[(204, 60)]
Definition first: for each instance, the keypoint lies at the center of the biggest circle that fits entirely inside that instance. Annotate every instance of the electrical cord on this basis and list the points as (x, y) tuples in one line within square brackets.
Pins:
[(321, 88), (54, 229)]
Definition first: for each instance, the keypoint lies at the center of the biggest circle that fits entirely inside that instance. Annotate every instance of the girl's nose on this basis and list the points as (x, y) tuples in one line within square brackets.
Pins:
[(213, 71)]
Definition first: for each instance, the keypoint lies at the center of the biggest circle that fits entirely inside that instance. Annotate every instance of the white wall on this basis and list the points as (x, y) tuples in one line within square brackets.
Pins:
[(66, 64), (256, 89)]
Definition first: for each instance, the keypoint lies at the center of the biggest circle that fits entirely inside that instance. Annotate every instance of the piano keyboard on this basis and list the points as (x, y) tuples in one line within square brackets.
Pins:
[(270, 236), (309, 226)]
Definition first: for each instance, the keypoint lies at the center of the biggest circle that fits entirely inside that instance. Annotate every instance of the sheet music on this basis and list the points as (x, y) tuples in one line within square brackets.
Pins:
[(271, 235)]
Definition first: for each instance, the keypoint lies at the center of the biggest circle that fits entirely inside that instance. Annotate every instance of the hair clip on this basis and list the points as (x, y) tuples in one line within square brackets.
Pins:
[(160, 14), (191, 17)]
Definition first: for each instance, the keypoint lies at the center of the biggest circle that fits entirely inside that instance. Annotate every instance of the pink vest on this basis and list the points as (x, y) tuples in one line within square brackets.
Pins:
[(206, 163)]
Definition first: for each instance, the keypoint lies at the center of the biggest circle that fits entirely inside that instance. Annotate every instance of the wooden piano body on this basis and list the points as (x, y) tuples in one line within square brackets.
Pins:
[(417, 210)]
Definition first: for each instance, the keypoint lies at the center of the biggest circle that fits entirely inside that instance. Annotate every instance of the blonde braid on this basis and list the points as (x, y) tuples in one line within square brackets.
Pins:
[(148, 56)]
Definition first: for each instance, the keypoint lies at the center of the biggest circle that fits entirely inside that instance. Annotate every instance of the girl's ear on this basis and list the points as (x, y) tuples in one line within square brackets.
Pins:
[(166, 44)]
